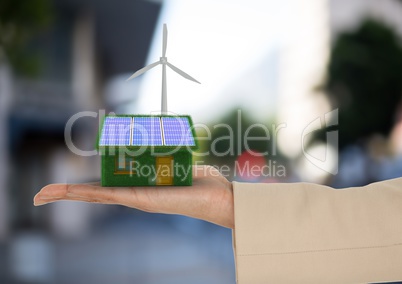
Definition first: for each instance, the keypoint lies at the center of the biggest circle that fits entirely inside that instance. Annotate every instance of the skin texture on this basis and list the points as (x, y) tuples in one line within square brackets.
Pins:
[(210, 198)]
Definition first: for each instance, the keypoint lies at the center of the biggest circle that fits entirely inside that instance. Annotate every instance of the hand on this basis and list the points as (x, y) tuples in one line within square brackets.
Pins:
[(210, 198)]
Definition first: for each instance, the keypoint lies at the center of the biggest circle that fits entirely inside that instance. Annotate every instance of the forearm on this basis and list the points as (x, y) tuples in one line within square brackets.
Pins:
[(291, 231)]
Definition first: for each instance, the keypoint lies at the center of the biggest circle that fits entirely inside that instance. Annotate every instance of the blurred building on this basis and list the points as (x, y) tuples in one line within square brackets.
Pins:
[(87, 44), (346, 15), (80, 51)]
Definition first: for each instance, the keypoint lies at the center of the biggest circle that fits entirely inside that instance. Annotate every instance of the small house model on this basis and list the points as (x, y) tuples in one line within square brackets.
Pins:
[(139, 150)]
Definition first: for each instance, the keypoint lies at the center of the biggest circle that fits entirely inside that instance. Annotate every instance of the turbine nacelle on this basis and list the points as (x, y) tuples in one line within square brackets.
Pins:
[(163, 60)]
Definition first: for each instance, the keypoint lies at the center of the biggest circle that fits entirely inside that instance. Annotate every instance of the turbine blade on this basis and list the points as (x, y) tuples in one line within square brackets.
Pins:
[(165, 35), (185, 75), (143, 70)]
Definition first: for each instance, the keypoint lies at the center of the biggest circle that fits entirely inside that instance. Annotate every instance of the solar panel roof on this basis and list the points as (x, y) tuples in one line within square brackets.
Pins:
[(116, 131), (146, 131), (177, 131)]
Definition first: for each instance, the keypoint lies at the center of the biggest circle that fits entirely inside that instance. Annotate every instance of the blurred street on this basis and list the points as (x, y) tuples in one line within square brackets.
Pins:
[(135, 247)]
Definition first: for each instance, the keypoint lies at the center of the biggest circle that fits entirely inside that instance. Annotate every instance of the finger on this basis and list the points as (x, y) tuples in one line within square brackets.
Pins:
[(93, 192), (39, 201), (52, 191), (57, 192)]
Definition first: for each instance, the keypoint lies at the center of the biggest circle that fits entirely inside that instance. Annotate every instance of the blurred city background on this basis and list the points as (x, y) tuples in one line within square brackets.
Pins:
[(332, 65)]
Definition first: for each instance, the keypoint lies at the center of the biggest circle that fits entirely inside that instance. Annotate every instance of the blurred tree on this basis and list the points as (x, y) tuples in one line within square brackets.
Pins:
[(228, 135), (228, 138), (19, 21), (365, 81)]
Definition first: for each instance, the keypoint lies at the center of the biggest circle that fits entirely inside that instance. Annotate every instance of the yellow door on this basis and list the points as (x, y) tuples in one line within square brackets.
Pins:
[(164, 170)]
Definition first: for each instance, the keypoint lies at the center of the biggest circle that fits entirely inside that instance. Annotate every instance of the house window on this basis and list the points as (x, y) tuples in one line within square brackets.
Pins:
[(124, 165)]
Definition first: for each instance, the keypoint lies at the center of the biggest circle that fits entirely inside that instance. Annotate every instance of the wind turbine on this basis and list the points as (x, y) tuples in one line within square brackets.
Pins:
[(163, 61)]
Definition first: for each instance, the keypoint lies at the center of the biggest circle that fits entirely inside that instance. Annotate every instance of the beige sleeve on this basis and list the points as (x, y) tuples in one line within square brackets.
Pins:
[(307, 233)]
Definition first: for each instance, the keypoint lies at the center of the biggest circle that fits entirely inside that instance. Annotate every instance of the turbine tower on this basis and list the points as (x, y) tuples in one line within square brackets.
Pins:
[(163, 61)]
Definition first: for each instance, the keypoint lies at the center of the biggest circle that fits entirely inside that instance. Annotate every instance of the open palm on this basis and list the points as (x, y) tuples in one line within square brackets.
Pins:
[(210, 198)]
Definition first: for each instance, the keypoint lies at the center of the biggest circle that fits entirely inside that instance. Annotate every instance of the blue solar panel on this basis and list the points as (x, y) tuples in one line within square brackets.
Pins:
[(177, 131), (116, 131), (147, 131)]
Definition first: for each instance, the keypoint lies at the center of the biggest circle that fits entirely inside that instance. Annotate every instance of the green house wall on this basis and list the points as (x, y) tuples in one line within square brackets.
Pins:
[(145, 164)]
